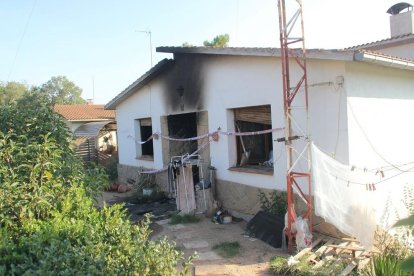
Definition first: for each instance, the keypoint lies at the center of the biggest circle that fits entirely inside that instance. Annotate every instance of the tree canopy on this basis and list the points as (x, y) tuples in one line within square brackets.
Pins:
[(219, 41), (60, 90), (11, 91), (49, 224), (186, 44)]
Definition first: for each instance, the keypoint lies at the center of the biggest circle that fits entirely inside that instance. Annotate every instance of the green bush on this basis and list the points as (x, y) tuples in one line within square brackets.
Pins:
[(384, 264), (48, 222), (82, 240), (276, 204)]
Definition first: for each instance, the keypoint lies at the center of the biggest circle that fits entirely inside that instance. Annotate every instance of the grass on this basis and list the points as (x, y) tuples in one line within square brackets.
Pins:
[(279, 265), (227, 249), (183, 219)]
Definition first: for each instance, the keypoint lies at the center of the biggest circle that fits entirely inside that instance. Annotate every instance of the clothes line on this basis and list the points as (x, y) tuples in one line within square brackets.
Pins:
[(356, 210), (214, 135)]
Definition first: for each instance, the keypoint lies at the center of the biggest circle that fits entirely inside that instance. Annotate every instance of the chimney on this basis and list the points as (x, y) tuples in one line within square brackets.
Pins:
[(401, 19)]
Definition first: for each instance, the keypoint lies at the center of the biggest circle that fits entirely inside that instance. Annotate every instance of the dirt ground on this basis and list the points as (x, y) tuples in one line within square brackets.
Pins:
[(200, 237)]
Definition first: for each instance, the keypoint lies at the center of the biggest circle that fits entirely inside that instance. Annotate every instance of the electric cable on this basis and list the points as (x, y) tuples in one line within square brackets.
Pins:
[(370, 143), (21, 39)]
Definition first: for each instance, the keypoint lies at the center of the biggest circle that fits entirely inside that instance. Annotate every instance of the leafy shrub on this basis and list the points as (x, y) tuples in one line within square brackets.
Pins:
[(388, 262), (82, 240), (384, 264), (48, 222), (276, 204), (111, 168), (279, 265)]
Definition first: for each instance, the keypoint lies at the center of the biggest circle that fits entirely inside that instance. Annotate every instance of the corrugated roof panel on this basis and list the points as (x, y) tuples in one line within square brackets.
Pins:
[(91, 129)]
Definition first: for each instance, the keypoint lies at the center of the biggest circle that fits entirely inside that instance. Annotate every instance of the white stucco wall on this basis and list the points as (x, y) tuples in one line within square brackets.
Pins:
[(402, 51), (145, 104), (381, 105), (233, 82), (248, 81)]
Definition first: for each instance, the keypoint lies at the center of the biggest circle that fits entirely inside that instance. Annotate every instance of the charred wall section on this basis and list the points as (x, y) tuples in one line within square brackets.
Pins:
[(184, 85)]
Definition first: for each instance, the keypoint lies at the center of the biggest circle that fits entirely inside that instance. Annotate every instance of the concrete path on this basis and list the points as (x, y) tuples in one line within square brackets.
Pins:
[(200, 237)]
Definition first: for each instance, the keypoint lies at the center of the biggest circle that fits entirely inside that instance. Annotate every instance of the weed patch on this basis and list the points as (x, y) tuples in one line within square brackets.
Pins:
[(227, 249), (183, 219)]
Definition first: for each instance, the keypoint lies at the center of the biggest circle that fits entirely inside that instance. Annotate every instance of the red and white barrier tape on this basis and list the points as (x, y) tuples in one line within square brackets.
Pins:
[(249, 133), (214, 135), (141, 142)]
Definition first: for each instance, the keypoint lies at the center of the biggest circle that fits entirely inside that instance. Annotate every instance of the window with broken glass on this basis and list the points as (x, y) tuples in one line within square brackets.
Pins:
[(143, 128), (254, 151)]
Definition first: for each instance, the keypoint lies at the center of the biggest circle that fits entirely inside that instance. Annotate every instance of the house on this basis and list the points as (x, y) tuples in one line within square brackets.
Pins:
[(361, 100), (94, 129)]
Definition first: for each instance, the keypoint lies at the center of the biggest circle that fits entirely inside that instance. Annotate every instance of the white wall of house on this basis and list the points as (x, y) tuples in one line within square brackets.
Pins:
[(234, 82), (403, 51), (379, 98), (380, 110), (144, 104)]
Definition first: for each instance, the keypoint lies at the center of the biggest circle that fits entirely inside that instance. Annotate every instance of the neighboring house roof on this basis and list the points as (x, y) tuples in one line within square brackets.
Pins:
[(91, 129), (341, 55), (159, 68), (84, 112), (385, 43)]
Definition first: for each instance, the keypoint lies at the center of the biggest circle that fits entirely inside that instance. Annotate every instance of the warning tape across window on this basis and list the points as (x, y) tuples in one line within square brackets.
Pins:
[(214, 135)]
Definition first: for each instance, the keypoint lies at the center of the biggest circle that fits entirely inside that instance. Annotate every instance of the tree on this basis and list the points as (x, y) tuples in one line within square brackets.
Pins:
[(48, 222), (186, 44), (60, 90), (219, 41), (11, 91)]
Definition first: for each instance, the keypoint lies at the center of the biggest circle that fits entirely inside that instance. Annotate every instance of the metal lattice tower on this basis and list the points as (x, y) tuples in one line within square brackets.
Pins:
[(295, 97)]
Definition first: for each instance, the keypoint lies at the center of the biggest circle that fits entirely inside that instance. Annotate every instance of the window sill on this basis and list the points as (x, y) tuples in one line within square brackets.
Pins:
[(253, 169), (145, 158)]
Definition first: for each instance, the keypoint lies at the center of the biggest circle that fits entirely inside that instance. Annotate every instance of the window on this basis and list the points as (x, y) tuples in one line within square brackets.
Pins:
[(143, 129), (254, 151)]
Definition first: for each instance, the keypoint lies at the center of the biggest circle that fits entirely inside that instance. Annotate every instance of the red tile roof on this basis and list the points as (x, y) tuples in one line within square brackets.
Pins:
[(80, 112)]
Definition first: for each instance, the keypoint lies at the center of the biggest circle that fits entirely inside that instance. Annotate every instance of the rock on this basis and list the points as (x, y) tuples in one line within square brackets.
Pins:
[(122, 188), (114, 186)]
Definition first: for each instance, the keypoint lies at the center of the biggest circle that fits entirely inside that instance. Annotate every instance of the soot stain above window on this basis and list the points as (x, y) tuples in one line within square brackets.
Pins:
[(184, 85)]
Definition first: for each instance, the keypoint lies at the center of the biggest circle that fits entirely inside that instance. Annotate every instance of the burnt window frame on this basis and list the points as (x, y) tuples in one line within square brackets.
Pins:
[(266, 140), (144, 132)]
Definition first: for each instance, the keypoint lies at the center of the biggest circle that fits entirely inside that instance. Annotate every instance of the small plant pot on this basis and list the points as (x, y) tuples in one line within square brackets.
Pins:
[(147, 191)]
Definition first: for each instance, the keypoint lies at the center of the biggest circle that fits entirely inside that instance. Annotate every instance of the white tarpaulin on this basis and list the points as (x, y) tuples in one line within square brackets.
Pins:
[(355, 200)]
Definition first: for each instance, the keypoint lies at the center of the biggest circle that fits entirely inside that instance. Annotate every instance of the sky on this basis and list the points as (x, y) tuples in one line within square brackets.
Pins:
[(100, 44)]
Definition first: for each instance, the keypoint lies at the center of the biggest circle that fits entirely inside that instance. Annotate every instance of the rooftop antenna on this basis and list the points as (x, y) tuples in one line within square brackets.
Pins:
[(93, 88), (150, 41)]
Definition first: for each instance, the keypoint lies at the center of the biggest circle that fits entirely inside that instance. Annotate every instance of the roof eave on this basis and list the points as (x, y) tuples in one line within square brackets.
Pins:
[(331, 54), (380, 59), (89, 120), (139, 83)]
